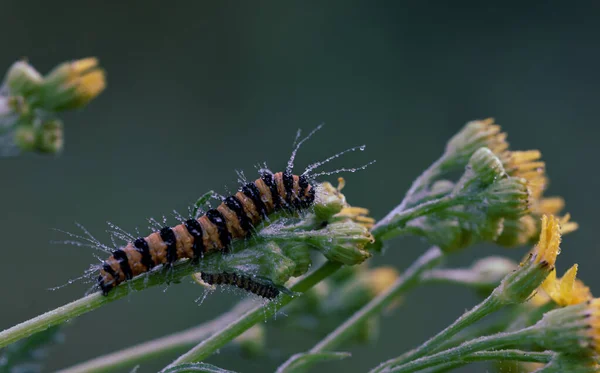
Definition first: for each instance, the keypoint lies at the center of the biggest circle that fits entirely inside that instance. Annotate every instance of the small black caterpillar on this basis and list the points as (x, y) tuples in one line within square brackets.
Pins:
[(241, 281)]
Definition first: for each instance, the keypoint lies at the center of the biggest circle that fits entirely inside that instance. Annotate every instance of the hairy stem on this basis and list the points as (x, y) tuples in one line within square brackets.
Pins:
[(253, 316), (502, 355), (460, 352), (489, 305), (391, 225), (160, 346), (93, 301), (404, 282)]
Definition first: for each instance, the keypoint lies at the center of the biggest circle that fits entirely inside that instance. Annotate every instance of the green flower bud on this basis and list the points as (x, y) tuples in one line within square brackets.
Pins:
[(22, 79), (573, 329), (509, 198), (299, 253), (474, 135), (518, 232), (49, 137), (328, 201), (342, 241), (25, 137)]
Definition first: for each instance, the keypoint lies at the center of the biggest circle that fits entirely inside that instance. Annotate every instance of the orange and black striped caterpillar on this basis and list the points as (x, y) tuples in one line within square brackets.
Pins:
[(243, 282), (234, 218)]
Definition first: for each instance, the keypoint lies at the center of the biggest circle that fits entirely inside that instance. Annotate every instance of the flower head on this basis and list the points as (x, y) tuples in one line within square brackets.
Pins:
[(567, 290), (73, 84), (518, 286), (23, 79), (474, 135), (573, 329)]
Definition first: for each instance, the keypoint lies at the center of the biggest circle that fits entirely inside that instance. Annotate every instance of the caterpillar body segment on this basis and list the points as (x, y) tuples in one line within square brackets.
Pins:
[(215, 230), (260, 288)]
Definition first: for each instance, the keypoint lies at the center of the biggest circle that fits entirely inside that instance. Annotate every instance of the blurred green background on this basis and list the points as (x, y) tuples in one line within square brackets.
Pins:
[(197, 90)]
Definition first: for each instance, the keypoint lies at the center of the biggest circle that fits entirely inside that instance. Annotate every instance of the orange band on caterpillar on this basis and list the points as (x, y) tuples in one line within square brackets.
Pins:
[(234, 218)]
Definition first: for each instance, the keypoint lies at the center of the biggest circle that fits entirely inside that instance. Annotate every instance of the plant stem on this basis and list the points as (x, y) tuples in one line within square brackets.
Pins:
[(460, 352), (254, 315), (91, 302), (489, 305), (410, 278), (390, 226), (159, 346), (512, 355)]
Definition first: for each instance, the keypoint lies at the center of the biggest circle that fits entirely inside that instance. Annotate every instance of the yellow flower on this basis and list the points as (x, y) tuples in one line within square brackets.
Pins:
[(548, 246), (527, 164), (567, 290), (357, 214), (381, 278), (73, 84)]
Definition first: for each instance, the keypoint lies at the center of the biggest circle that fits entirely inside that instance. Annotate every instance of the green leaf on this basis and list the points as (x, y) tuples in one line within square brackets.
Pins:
[(27, 354), (302, 361), (196, 367)]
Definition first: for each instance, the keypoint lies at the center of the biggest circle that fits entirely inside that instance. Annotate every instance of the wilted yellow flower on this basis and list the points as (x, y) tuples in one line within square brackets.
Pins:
[(526, 164), (567, 290), (73, 84), (328, 194), (548, 248)]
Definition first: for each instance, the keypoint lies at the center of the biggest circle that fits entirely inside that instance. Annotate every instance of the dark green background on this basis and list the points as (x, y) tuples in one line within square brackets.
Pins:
[(197, 90)]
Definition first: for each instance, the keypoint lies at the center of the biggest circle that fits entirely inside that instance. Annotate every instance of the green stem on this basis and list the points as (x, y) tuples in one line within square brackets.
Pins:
[(502, 355), (407, 280), (489, 305), (93, 301), (391, 225), (160, 346), (461, 352), (253, 316)]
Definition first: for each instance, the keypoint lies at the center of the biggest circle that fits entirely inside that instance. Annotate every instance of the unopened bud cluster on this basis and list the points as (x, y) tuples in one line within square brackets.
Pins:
[(30, 101)]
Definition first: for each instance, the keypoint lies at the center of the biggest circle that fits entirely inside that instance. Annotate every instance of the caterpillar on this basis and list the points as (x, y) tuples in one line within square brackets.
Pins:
[(215, 230), (241, 281)]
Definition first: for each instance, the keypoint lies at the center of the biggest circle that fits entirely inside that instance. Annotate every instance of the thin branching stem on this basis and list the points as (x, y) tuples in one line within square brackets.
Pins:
[(501, 355), (176, 342), (93, 301), (409, 279), (489, 305), (253, 316), (495, 341)]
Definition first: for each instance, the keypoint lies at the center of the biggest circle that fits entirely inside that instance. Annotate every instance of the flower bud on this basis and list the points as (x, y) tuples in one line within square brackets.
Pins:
[(72, 85), (474, 135), (22, 79), (342, 241), (50, 137), (508, 198), (25, 137), (572, 329), (299, 253), (329, 200)]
